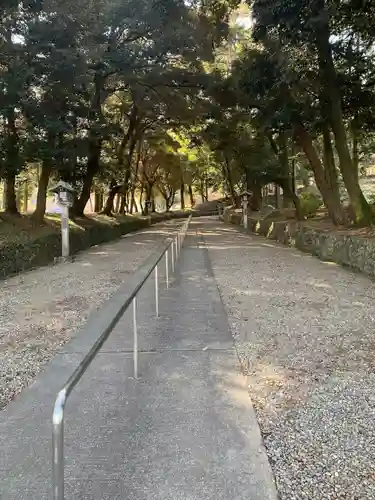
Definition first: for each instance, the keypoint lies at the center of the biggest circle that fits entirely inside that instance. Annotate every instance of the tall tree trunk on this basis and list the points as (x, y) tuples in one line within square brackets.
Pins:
[(355, 153), (171, 199), (112, 192), (329, 165), (131, 139), (95, 147), (182, 195), (25, 196), (256, 199), (293, 167), (148, 201), (362, 210), (201, 191), (286, 181), (121, 210), (133, 205), (128, 163), (288, 191), (166, 198), (335, 209), (277, 196), (101, 198), (117, 205), (191, 196), (333, 205), (12, 163), (141, 197), (93, 166), (288, 198), (10, 200), (41, 197), (229, 181), (19, 199), (98, 205)]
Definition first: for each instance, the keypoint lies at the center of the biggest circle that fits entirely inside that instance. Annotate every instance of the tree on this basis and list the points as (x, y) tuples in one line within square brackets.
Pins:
[(309, 27), (86, 84)]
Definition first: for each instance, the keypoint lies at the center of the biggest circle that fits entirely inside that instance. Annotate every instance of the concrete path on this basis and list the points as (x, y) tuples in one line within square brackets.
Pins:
[(185, 430)]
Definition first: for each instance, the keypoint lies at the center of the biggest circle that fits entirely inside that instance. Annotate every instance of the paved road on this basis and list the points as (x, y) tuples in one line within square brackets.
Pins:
[(185, 431)]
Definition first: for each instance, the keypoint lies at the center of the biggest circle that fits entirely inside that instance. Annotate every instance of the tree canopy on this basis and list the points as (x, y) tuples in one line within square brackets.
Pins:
[(127, 97)]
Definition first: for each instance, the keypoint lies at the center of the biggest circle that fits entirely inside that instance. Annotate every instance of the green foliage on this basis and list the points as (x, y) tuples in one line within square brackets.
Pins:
[(82, 82), (310, 203), (145, 98)]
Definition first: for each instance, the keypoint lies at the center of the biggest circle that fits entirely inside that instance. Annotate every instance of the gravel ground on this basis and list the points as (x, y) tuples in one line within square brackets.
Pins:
[(305, 332), (41, 310)]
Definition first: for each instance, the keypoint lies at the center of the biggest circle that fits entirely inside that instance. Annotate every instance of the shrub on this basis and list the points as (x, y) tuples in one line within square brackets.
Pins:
[(310, 203), (40, 251)]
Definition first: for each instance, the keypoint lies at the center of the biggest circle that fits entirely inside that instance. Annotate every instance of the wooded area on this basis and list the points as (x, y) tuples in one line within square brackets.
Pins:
[(133, 99)]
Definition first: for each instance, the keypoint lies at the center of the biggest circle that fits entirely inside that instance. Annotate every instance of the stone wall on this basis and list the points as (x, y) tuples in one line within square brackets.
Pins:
[(355, 252)]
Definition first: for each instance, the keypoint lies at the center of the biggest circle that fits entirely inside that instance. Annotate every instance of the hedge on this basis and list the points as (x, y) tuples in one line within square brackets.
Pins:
[(18, 257)]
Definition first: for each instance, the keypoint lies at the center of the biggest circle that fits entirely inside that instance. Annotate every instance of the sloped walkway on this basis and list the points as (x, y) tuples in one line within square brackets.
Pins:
[(185, 430)]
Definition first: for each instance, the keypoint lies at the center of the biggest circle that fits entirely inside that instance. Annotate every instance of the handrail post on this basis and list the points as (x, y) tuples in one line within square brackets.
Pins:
[(135, 338), (156, 291), (58, 410), (173, 260), (58, 446), (167, 268)]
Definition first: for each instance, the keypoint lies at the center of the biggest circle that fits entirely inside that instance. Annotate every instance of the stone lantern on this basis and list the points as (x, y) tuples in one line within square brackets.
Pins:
[(245, 196), (64, 194)]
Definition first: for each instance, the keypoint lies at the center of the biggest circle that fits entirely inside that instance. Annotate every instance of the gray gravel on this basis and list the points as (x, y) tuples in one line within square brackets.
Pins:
[(40, 310), (304, 330)]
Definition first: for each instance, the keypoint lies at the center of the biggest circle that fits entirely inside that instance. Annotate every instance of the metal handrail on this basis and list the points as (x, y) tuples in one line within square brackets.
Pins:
[(175, 244)]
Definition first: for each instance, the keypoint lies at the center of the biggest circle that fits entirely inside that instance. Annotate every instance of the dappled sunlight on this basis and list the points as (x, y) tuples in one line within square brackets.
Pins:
[(192, 277), (204, 233), (270, 229), (113, 252), (252, 293), (224, 247), (269, 245), (247, 247), (86, 264), (236, 387), (271, 388), (319, 284), (141, 243), (358, 304)]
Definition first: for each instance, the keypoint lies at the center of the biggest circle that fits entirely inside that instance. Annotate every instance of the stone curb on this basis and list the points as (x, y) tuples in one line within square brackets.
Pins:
[(354, 252)]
